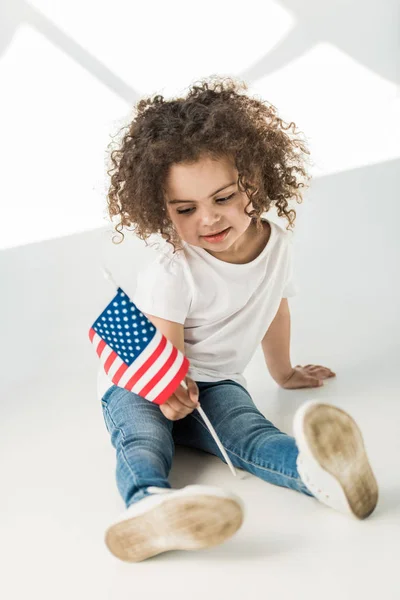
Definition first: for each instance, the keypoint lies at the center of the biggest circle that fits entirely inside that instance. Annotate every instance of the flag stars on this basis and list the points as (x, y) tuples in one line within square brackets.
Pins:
[(124, 328)]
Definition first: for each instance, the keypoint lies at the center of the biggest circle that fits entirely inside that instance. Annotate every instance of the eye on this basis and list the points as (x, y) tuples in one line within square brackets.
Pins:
[(225, 199), (188, 211)]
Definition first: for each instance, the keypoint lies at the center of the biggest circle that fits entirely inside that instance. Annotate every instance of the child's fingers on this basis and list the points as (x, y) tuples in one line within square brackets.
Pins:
[(319, 369), (173, 409), (177, 406), (170, 413), (181, 396), (313, 382), (193, 389), (188, 397)]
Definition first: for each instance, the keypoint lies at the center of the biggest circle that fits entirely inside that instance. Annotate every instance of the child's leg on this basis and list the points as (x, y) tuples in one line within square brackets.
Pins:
[(252, 442), (142, 437)]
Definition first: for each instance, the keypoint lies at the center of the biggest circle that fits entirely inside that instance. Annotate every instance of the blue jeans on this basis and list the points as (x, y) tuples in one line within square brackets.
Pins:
[(145, 439)]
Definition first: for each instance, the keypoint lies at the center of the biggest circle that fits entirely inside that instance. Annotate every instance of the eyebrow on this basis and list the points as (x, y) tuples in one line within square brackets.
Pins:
[(216, 192)]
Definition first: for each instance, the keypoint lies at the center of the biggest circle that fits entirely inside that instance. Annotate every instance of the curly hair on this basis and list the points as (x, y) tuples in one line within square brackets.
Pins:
[(215, 120)]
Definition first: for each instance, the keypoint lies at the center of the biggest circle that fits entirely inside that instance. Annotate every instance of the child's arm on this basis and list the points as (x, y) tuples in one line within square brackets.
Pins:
[(182, 402), (276, 348), (276, 344), (172, 331)]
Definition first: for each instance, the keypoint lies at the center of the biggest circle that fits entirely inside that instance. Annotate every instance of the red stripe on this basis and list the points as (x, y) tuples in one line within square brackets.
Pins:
[(147, 364), (118, 374), (173, 385), (160, 373), (110, 359), (101, 345)]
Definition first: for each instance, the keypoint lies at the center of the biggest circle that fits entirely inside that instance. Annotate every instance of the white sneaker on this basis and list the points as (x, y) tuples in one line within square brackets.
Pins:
[(332, 460), (194, 517)]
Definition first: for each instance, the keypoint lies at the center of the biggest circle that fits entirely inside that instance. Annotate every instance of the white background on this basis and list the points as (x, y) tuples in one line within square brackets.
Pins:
[(70, 74)]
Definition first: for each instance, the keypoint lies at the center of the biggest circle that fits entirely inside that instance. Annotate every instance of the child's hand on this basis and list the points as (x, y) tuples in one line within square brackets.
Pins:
[(305, 377), (180, 404)]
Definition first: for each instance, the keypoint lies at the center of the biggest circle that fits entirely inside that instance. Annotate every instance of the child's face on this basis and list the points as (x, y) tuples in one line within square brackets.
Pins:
[(202, 214)]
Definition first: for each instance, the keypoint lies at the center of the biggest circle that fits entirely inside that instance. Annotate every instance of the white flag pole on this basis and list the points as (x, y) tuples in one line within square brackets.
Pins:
[(108, 276), (213, 433)]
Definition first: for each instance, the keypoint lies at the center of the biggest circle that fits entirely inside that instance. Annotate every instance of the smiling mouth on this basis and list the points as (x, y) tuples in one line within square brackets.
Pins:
[(216, 233)]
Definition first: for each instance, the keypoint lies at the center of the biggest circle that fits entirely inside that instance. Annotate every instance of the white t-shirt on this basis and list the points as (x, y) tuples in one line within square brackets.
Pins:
[(225, 308)]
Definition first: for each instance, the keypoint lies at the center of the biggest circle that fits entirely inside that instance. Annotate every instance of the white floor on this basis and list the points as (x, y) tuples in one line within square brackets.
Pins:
[(58, 483)]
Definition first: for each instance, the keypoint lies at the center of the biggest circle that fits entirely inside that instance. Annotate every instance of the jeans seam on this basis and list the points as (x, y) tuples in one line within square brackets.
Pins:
[(299, 480), (135, 479)]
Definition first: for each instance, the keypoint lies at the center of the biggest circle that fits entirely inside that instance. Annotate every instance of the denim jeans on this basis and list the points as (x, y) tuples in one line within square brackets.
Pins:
[(145, 439)]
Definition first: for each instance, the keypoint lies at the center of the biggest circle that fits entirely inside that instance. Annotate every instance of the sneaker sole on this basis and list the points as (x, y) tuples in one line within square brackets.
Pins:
[(337, 444), (189, 522)]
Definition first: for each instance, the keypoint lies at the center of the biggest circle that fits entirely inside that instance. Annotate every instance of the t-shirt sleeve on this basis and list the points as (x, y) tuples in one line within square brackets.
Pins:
[(291, 288), (163, 290)]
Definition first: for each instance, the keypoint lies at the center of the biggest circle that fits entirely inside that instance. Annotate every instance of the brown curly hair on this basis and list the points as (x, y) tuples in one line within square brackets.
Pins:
[(214, 120)]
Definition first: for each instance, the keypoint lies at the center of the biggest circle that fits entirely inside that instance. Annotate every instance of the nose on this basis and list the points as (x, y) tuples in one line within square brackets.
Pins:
[(209, 218)]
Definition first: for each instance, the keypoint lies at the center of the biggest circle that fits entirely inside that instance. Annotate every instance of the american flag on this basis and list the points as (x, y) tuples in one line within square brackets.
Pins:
[(135, 355), (138, 357)]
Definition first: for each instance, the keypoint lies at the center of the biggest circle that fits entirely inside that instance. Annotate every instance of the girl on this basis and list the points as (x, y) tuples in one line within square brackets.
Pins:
[(201, 171)]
